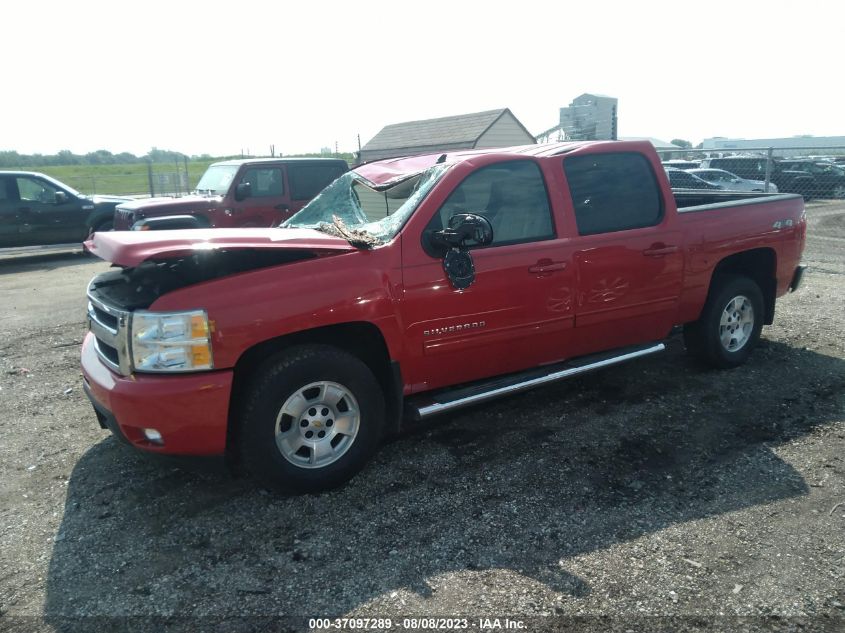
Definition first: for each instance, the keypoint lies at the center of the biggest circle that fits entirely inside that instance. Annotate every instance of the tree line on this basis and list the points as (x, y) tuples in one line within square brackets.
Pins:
[(10, 158), (104, 157)]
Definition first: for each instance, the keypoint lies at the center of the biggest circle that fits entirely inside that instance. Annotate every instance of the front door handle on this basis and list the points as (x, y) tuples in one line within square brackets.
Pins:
[(546, 266), (659, 250), (282, 207)]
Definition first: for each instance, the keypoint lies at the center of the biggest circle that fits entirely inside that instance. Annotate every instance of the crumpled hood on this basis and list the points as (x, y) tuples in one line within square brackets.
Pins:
[(130, 248), (154, 204)]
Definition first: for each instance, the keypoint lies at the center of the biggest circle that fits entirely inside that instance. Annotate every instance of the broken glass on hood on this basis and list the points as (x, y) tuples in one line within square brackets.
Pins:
[(354, 204)]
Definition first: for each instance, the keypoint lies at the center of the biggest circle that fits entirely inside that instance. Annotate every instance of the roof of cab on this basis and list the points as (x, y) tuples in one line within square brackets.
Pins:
[(386, 171), (287, 159), (11, 172)]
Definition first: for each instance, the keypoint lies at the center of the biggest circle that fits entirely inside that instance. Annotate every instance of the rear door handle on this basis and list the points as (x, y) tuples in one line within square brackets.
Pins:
[(659, 250), (546, 266), (282, 207)]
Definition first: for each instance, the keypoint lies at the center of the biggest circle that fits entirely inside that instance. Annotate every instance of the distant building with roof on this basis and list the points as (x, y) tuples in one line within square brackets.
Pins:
[(660, 146), (589, 117), (492, 128), (664, 149), (720, 143)]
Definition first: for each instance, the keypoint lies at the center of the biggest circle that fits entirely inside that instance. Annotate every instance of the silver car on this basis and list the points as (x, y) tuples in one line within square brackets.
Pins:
[(731, 182)]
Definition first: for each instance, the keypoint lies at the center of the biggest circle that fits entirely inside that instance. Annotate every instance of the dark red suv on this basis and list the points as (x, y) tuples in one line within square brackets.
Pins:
[(247, 192)]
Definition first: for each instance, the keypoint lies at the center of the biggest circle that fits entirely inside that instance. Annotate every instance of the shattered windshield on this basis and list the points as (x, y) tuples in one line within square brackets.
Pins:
[(353, 205), (216, 179)]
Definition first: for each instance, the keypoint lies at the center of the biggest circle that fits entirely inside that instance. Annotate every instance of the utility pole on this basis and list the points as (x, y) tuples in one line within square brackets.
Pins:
[(178, 182), (150, 177)]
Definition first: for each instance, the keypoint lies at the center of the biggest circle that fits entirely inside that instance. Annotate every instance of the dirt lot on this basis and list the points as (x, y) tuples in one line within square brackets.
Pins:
[(652, 489)]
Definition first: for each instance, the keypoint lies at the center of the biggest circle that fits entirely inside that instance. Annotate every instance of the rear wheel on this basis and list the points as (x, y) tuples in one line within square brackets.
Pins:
[(312, 418), (730, 323)]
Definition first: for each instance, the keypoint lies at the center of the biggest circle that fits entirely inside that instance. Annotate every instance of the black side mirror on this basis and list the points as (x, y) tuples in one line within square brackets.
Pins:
[(61, 197), (464, 227), (457, 261), (243, 191)]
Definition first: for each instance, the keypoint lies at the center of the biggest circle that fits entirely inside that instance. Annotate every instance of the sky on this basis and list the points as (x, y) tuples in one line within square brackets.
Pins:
[(223, 78)]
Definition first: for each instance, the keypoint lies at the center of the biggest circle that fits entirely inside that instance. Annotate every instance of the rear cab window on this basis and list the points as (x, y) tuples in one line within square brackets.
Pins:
[(613, 192), (307, 180)]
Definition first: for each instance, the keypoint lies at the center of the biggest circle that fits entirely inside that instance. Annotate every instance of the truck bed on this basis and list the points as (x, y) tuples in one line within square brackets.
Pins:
[(697, 200)]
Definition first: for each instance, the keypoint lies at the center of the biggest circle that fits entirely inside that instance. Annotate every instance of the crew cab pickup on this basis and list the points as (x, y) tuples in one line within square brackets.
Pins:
[(248, 192), (412, 287), (37, 211)]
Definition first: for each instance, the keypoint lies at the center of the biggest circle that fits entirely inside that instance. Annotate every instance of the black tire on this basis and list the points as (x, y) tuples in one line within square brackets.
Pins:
[(703, 338), (284, 378), (102, 227)]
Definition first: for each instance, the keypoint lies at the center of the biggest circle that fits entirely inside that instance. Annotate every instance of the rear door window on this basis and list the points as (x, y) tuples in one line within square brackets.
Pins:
[(306, 181), (613, 192)]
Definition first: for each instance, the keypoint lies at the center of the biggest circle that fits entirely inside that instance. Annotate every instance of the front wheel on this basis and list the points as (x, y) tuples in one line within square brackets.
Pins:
[(730, 323), (311, 419)]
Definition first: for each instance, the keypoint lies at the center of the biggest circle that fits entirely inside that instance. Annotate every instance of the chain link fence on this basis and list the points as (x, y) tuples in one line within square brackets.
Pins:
[(813, 172), (139, 180)]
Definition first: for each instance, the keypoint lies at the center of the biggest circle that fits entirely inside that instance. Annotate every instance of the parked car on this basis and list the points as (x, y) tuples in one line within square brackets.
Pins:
[(731, 182), (247, 192), (413, 287), (829, 178), (677, 163), (680, 179), (754, 168), (36, 210)]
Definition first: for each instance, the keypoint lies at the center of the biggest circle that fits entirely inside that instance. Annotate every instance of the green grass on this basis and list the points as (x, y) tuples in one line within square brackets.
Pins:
[(130, 179)]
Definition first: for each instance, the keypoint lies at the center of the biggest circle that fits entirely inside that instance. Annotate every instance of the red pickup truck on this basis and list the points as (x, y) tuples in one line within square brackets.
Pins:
[(244, 192), (411, 287)]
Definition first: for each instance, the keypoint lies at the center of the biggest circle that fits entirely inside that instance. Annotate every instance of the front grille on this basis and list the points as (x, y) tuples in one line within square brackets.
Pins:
[(105, 318), (123, 217), (107, 352), (110, 327)]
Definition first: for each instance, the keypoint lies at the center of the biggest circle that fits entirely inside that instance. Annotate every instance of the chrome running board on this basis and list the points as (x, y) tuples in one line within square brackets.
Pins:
[(435, 403)]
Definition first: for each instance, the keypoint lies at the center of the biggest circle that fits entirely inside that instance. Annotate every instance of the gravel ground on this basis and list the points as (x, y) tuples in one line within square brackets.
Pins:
[(653, 495)]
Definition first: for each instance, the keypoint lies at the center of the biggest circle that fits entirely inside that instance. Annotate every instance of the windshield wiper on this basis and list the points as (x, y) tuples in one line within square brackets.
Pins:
[(356, 237)]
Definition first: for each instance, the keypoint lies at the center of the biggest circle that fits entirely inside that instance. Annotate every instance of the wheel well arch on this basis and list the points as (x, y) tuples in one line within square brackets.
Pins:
[(759, 264), (359, 338)]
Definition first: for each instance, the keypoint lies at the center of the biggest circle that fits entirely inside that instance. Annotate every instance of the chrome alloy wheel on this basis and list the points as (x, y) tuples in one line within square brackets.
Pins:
[(736, 323), (317, 424)]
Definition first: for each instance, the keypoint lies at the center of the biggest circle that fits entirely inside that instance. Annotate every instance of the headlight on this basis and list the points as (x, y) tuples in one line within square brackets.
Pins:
[(171, 341)]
